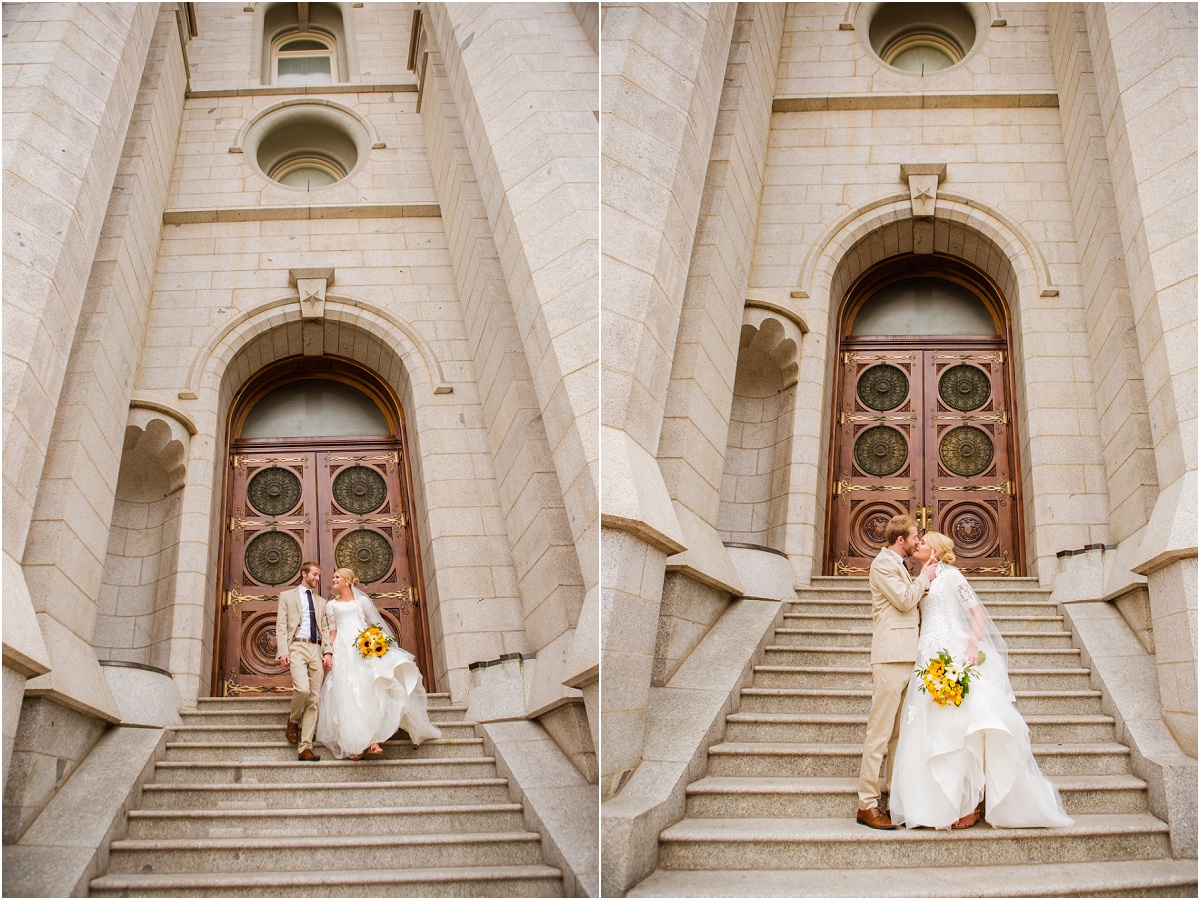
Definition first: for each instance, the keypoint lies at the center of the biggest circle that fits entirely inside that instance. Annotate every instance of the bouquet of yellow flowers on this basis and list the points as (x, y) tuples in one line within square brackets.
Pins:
[(373, 641), (947, 681)]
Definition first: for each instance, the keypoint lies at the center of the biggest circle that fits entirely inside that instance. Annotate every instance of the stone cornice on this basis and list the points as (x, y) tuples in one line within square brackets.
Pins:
[(283, 213), (973, 100)]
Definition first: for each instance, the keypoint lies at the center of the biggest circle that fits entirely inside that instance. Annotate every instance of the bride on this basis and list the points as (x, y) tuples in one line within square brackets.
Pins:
[(948, 758), (364, 700)]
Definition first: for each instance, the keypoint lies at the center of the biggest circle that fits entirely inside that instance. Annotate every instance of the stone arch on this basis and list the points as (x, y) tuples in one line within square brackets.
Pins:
[(395, 353), (966, 229), (137, 594), (342, 30)]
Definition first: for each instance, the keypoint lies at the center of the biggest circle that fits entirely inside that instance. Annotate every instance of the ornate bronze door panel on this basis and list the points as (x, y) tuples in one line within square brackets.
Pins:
[(341, 505), (923, 430)]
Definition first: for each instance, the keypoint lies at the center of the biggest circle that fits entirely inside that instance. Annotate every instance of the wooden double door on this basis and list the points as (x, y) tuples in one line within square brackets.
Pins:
[(340, 504), (924, 427)]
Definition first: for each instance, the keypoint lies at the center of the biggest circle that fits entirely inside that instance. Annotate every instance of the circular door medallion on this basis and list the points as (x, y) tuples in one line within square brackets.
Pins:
[(964, 387), (880, 450), (868, 526), (273, 557), (966, 451), (274, 491), (366, 552), (359, 489), (973, 529), (882, 387)]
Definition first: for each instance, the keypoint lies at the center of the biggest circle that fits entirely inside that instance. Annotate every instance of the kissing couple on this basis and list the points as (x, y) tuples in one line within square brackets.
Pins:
[(943, 758), (365, 698)]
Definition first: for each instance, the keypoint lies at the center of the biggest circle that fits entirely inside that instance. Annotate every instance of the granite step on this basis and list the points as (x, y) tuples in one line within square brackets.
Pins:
[(861, 637), (797, 797), (844, 728), (859, 677), (328, 770), (858, 701), (147, 824), (860, 606), (241, 732), (323, 851), (463, 881), (278, 718), (281, 702), (1118, 878), (316, 793), (842, 760), (813, 655), (806, 621), (824, 843), (280, 750), (982, 586)]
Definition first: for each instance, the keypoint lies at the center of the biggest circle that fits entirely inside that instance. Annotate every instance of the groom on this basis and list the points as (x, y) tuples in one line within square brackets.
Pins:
[(301, 630), (894, 599)]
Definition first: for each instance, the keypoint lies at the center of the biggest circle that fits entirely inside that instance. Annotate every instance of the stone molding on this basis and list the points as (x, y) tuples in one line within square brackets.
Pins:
[(289, 213), (973, 100), (154, 402), (223, 344), (827, 251)]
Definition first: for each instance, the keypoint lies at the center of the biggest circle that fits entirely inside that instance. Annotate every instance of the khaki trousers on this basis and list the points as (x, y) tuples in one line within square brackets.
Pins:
[(307, 674), (889, 684)]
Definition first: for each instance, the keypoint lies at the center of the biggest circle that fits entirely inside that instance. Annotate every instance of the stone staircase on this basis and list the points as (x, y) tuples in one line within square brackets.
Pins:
[(231, 812), (774, 814)]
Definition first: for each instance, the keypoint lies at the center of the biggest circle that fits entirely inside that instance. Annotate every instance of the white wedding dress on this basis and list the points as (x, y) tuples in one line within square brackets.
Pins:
[(949, 758), (364, 701)]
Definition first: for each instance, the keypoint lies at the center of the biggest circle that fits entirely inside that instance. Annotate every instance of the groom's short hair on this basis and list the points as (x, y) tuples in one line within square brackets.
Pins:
[(897, 527), (307, 565)]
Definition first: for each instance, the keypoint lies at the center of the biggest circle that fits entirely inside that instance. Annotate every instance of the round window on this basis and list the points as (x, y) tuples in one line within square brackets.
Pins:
[(922, 38), (306, 145)]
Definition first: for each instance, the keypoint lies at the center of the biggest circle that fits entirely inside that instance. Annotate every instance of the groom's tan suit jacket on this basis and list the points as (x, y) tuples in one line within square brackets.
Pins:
[(287, 619), (894, 599)]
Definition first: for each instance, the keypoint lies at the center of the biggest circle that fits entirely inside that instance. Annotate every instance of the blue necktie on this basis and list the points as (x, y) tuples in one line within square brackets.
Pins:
[(312, 618)]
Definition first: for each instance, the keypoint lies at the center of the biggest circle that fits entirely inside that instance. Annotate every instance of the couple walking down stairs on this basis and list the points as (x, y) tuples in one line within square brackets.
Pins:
[(774, 814), (230, 812)]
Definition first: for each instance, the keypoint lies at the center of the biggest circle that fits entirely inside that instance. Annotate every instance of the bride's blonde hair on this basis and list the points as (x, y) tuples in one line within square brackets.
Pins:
[(942, 544), (349, 576)]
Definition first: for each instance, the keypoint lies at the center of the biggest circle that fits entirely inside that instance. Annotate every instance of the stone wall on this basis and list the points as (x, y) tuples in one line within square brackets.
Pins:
[(1145, 73), (659, 109)]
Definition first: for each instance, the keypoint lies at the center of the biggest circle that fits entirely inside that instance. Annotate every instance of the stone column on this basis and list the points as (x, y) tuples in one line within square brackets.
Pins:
[(1145, 62), (696, 419), (72, 72), (663, 69), (472, 97)]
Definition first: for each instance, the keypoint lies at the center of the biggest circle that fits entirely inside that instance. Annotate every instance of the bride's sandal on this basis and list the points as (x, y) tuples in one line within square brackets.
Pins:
[(374, 750), (970, 820)]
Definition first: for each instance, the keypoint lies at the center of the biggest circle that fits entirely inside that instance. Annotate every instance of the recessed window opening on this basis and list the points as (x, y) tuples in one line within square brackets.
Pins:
[(307, 148), (302, 59), (307, 172), (923, 306), (922, 38), (315, 407)]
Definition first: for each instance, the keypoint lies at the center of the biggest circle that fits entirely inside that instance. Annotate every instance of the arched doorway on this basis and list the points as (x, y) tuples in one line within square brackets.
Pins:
[(317, 468), (923, 420)]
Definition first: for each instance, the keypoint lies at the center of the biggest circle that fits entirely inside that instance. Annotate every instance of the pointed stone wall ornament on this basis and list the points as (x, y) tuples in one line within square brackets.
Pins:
[(923, 180), (311, 285)]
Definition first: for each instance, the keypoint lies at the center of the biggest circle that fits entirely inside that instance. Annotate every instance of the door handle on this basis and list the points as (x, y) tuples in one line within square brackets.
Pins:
[(924, 517)]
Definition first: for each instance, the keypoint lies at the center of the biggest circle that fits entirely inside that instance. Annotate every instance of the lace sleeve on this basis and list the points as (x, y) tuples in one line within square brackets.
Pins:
[(967, 596)]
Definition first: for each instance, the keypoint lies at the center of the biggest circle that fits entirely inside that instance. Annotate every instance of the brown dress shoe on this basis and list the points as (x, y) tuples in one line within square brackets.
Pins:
[(874, 818), (293, 732), (308, 756)]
